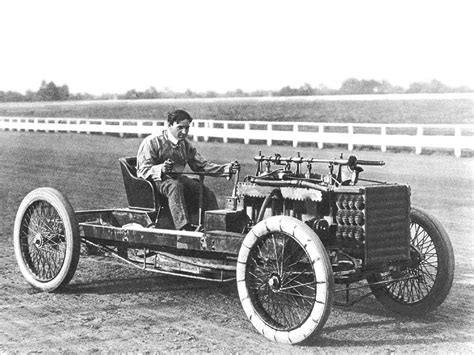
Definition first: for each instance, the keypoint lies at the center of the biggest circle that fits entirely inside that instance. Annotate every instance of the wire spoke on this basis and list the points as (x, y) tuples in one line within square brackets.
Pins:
[(281, 280), (308, 285), (424, 274), (42, 239), (288, 281)]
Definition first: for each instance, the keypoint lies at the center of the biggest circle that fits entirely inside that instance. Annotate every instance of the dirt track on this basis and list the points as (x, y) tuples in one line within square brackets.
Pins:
[(110, 307)]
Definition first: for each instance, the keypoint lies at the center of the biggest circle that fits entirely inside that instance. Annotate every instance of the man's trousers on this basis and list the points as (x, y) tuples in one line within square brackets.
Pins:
[(183, 198)]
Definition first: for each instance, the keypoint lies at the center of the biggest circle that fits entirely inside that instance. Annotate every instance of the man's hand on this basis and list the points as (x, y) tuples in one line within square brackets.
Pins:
[(235, 166), (232, 168), (167, 166)]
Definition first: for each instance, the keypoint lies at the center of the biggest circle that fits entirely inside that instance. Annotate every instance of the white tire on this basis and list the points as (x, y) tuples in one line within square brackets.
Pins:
[(285, 280), (46, 239)]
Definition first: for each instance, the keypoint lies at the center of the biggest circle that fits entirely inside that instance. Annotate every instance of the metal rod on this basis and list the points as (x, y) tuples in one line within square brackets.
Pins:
[(155, 270), (376, 283), (347, 293), (348, 304), (197, 264), (289, 183), (278, 159), (377, 181), (201, 199)]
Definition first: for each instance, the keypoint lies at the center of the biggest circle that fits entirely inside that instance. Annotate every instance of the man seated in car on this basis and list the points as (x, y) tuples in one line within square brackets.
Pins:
[(168, 152)]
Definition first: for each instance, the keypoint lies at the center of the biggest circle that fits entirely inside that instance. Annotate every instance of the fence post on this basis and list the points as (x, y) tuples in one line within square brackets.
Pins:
[(207, 126), (269, 137), (156, 127), (457, 144), (320, 138), (195, 126), (104, 127), (295, 135), (48, 125), (121, 134), (350, 132), (225, 138), (383, 133), (419, 140), (246, 131), (88, 124), (140, 128)]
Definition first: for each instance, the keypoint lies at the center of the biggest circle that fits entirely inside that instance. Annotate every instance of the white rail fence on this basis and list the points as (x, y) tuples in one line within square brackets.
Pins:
[(457, 137)]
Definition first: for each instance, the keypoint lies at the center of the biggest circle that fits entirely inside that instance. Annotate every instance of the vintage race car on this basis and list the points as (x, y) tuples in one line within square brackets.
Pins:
[(287, 236)]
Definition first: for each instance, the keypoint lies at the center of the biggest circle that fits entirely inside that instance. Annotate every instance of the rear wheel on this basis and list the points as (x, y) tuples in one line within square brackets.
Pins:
[(285, 280), (429, 277), (46, 239)]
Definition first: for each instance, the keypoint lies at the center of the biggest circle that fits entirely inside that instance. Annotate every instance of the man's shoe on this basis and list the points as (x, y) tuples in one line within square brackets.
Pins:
[(189, 228)]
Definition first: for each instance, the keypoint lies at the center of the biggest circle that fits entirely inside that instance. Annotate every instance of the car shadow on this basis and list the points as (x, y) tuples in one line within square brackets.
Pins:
[(146, 284), (342, 331)]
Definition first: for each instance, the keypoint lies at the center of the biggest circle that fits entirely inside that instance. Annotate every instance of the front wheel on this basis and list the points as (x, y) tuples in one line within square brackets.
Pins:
[(285, 280), (426, 282), (46, 239)]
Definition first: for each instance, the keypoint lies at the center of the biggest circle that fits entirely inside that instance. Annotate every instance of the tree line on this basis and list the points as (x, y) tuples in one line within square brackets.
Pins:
[(51, 92)]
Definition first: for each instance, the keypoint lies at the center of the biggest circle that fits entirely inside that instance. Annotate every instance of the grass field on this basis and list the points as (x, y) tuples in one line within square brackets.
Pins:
[(85, 168), (110, 307), (287, 109)]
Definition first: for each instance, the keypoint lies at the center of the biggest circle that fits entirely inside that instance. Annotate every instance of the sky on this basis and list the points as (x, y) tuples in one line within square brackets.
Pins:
[(102, 46)]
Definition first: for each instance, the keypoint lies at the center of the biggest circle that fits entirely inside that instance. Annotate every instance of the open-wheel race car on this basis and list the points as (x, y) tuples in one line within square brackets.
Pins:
[(288, 235)]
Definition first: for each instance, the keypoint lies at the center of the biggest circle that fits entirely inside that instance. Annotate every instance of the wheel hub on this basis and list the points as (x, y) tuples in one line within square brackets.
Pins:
[(415, 256), (274, 282), (38, 240)]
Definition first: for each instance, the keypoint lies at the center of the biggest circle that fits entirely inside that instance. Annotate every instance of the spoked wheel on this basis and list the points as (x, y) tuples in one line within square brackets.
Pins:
[(46, 239), (285, 280), (427, 281)]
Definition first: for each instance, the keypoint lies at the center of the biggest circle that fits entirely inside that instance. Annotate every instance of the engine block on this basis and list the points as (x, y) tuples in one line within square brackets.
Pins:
[(376, 219)]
